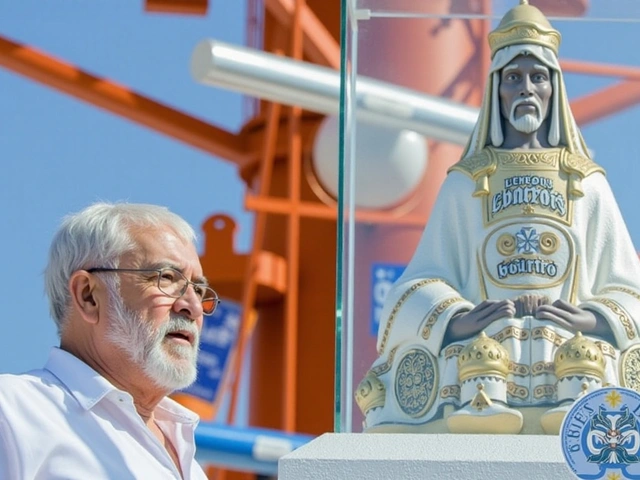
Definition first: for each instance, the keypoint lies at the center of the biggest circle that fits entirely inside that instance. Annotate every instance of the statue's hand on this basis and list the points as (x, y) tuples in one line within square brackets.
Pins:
[(574, 319), (528, 304), (467, 324)]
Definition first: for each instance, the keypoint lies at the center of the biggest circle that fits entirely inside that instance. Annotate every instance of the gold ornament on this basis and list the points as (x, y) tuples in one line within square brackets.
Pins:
[(370, 393), (506, 244), (483, 357), (579, 356), (524, 24)]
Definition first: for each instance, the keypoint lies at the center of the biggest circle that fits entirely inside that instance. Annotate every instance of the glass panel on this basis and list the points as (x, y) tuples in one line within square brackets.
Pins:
[(411, 93)]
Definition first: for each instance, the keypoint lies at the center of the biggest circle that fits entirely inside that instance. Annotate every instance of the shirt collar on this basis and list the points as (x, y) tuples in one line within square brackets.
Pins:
[(88, 387)]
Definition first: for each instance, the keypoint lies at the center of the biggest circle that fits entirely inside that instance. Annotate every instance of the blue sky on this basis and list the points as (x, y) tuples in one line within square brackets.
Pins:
[(59, 154)]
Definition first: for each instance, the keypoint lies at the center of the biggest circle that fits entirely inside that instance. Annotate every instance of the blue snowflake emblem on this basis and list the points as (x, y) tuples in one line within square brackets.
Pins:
[(527, 240)]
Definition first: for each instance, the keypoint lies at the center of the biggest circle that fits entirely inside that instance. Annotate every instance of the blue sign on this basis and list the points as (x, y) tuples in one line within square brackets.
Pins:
[(601, 435), (218, 338), (383, 275)]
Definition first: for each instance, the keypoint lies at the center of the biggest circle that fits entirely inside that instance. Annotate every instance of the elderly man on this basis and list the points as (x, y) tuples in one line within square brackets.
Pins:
[(127, 294), (525, 288)]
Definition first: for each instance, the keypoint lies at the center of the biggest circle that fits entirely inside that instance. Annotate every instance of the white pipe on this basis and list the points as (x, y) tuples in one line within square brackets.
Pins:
[(312, 87)]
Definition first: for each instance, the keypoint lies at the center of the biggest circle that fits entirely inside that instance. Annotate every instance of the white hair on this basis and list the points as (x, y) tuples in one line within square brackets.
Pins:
[(97, 237)]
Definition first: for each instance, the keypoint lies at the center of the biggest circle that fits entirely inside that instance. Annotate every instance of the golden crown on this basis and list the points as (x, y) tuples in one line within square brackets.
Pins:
[(524, 24), (370, 393), (579, 356), (482, 357)]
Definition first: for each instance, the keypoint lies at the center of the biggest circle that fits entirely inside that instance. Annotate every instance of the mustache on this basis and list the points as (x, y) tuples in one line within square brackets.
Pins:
[(178, 323), (529, 101)]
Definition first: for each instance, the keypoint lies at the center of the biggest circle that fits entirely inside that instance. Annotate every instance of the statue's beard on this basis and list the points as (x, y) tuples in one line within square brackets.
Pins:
[(529, 122)]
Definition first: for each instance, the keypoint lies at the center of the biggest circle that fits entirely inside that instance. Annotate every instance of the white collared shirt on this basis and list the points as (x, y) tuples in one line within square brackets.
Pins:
[(68, 422)]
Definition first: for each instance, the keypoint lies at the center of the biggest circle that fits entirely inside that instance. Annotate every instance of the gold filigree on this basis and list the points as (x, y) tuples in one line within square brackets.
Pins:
[(579, 356), (583, 166), (483, 357), (517, 391), (506, 244), (475, 165), (544, 391), (416, 382), (511, 332), (620, 313), (450, 391), (386, 366), (540, 368), (544, 158), (545, 333), (630, 368), (519, 369), (370, 393), (626, 290), (549, 243), (452, 351), (528, 210), (433, 318), (606, 349), (398, 305)]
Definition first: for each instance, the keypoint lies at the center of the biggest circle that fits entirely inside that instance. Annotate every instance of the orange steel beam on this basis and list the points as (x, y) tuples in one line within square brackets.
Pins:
[(189, 7), (591, 68), (606, 101), (117, 99), (279, 206), (250, 285), (290, 363), (319, 45)]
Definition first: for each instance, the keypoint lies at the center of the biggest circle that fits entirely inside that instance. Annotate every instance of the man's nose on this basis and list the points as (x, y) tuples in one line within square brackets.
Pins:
[(526, 87)]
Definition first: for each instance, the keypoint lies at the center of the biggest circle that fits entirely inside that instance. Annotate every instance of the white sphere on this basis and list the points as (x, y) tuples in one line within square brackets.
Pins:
[(389, 163)]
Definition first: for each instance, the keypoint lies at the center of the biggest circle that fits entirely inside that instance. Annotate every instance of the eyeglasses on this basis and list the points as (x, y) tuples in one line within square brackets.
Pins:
[(174, 284)]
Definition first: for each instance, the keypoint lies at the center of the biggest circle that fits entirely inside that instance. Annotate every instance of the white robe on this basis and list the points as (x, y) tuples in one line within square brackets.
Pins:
[(446, 275)]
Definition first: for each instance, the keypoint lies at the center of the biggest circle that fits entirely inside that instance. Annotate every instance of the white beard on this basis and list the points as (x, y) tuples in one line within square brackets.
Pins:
[(170, 366), (527, 123)]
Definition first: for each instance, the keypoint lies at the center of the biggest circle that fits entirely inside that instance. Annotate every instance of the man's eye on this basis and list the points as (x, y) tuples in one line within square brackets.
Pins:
[(199, 290), (167, 276)]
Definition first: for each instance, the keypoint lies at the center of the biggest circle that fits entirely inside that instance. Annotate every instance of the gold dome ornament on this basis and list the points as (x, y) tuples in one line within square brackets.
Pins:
[(484, 356), (483, 366), (524, 24), (370, 393), (579, 356)]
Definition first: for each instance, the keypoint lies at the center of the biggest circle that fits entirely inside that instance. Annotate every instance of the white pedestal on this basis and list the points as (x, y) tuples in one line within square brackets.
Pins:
[(354, 456)]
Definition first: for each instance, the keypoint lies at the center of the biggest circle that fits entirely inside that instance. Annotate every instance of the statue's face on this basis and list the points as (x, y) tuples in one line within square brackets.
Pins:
[(525, 91)]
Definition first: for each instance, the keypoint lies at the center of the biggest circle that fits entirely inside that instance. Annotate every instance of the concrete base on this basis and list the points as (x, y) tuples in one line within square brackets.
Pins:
[(354, 456)]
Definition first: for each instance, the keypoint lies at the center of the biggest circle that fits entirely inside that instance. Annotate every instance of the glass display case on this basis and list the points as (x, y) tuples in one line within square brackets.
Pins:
[(413, 78)]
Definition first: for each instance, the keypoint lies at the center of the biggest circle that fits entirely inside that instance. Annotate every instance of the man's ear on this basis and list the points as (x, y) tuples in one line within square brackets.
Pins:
[(82, 288)]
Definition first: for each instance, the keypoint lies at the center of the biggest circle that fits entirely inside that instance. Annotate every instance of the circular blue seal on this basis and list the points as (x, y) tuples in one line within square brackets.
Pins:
[(601, 435)]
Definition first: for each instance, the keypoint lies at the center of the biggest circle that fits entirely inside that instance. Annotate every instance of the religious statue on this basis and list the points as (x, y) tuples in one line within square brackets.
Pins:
[(524, 291)]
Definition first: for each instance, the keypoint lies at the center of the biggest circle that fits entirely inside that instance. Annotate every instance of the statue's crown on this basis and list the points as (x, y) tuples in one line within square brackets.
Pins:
[(524, 24), (482, 357), (579, 356)]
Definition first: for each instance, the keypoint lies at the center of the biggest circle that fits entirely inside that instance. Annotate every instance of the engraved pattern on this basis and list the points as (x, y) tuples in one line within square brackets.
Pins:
[(511, 332), (630, 369), (622, 316), (544, 333), (606, 349), (475, 164), (582, 165), (398, 305), (549, 243), (524, 34), (386, 366), (526, 159), (519, 369), (628, 291), (540, 368), (452, 351), (415, 382), (517, 391), (544, 391), (506, 244), (450, 391), (433, 318)]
